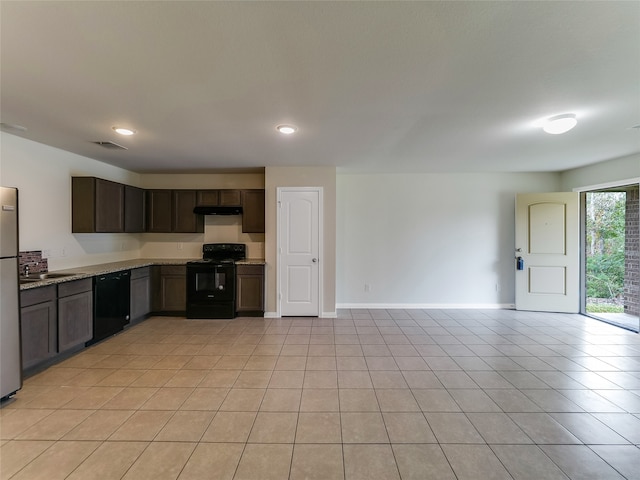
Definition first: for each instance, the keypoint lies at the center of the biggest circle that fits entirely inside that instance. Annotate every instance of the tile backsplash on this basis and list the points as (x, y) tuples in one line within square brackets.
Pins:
[(34, 259)]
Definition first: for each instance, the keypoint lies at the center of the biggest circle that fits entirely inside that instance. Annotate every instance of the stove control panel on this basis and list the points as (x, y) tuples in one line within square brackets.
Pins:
[(236, 251)]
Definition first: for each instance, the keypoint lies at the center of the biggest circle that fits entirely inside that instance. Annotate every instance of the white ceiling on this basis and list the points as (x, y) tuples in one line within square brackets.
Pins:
[(439, 86)]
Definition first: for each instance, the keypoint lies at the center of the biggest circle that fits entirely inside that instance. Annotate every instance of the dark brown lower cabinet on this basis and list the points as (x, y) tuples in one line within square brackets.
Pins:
[(250, 290), (140, 305), (169, 288), (75, 313), (39, 325)]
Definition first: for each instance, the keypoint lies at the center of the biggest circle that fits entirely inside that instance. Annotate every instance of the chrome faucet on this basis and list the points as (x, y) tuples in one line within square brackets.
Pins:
[(26, 267)]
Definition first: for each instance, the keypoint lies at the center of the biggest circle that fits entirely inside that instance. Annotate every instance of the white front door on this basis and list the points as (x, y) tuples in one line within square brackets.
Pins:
[(299, 247), (548, 245)]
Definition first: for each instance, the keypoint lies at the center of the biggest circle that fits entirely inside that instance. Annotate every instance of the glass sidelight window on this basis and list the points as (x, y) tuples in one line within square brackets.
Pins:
[(611, 256)]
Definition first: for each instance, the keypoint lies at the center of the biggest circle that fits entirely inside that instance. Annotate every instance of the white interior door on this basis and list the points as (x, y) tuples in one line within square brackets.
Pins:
[(299, 249), (548, 243)]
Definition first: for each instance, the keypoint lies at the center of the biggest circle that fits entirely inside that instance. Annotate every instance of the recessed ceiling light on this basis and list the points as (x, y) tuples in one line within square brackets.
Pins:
[(560, 123), (287, 129), (123, 131)]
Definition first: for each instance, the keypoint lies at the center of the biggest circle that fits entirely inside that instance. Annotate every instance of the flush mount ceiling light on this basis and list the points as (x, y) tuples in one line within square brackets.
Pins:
[(560, 123), (123, 131), (287, 129)]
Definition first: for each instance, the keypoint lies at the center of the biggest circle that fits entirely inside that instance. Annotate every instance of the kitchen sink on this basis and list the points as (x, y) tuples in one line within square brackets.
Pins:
[(29, 280), (44, 276), (38, 277)]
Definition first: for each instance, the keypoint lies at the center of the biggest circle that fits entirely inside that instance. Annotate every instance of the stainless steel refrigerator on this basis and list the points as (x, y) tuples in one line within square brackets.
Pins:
[(10, 361)]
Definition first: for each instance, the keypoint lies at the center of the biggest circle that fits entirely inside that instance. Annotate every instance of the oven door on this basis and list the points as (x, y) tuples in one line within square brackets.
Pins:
[(207, 283)]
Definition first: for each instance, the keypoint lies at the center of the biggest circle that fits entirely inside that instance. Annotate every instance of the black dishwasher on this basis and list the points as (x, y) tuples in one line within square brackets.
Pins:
[(111, 294)]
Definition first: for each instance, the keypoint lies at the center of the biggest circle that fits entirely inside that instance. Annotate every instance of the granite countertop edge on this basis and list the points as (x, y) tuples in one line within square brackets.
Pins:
[(89, 271)]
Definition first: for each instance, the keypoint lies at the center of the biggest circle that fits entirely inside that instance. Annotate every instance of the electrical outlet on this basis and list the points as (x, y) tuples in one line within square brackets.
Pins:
[(367, 287), (180, 245), (46, 253), (497, 287), (63, 252)]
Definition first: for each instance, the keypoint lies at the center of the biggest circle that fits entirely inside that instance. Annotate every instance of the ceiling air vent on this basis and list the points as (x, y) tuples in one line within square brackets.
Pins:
[(111, 145)]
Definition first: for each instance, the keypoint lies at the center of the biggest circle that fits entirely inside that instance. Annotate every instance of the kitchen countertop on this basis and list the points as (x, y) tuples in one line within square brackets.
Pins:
[(89, 271)]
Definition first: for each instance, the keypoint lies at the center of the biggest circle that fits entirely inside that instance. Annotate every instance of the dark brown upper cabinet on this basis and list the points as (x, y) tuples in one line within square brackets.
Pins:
[(134, 209), (184, 220), (208, 197), (172, 211), (253, 211), (97, 205), (219, 198), (159, 207), (102, 206), (230, 198)]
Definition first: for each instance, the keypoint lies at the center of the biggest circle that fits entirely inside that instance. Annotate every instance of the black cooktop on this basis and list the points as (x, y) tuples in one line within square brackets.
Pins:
[(222, 253)]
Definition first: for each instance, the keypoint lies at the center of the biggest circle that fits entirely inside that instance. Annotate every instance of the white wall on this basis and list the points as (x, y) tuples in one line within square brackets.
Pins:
[(619, 169), (429, 239), (43, 176)]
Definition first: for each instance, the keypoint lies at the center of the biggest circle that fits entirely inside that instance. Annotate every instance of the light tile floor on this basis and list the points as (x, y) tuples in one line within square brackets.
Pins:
[(420, 394)]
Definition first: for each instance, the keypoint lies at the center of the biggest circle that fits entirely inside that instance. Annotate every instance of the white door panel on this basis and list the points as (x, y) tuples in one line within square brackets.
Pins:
[(299, 214), (299, 284), (299, 262), (547, 239)]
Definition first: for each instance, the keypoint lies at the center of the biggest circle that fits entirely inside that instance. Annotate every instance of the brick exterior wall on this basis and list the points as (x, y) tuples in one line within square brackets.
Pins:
[(632, 253)]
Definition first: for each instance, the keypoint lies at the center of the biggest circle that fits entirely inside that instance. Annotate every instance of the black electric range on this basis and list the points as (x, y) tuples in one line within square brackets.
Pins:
[(211, 281)]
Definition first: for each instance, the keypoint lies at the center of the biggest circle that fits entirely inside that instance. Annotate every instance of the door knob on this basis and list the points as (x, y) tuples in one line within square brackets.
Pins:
[(314, 260)]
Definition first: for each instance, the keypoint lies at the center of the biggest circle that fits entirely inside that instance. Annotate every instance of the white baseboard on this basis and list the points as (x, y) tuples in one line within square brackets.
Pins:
[(333, 314), (420, 306)]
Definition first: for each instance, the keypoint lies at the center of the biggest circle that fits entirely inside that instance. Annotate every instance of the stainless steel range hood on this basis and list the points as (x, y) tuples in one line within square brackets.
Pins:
[(216, 210)]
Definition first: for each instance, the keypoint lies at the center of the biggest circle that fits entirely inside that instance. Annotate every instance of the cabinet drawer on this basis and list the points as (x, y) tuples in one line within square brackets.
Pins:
[(249, 269), (140, 272), (173, 270), (74, 287), (37, 295)]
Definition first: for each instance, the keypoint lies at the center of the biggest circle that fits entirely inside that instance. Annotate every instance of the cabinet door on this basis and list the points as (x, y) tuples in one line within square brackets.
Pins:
[(184, 220), (230, 198), (96, 205), (253, 211), (75, 320), (250, 290), (170, 288), (208, 197), (109, 206), (39, 333), (83, 204), (158, 207), (133, 209), (140, 297)]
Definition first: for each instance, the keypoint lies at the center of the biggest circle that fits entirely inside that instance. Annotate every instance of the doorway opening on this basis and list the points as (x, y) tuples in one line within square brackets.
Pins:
[(612, 256)]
